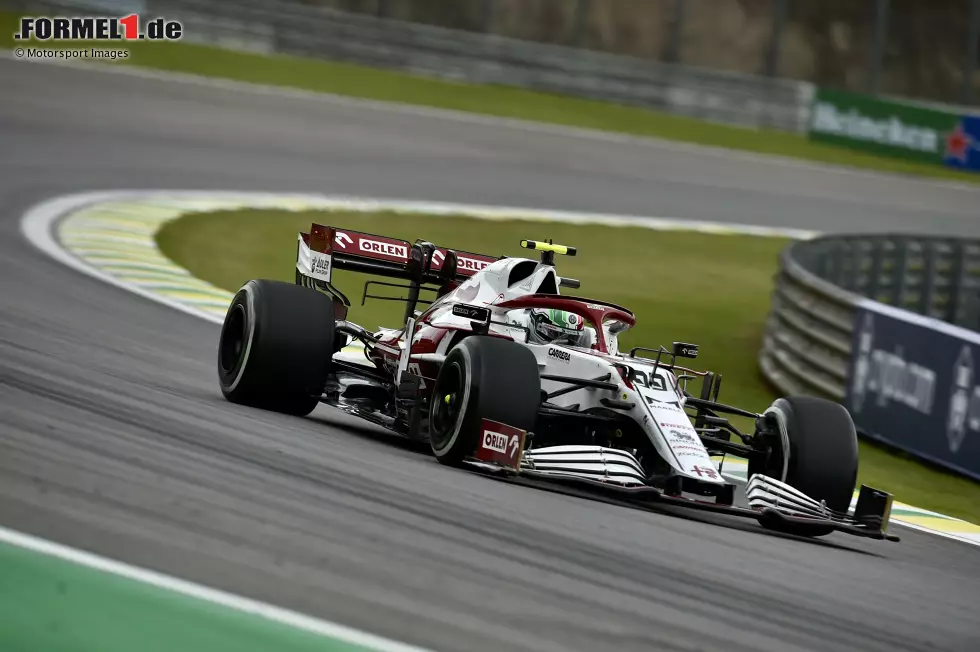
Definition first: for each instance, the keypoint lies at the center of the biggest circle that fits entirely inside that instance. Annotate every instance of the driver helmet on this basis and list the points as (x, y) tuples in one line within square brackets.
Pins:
[(551, 326)]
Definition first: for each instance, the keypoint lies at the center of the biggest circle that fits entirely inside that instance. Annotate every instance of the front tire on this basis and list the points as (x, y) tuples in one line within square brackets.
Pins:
[(481, 378), (823, 455), (275, 347)]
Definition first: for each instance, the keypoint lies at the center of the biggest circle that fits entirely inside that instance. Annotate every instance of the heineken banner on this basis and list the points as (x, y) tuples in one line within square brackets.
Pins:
[(914, 383), (893, 129)]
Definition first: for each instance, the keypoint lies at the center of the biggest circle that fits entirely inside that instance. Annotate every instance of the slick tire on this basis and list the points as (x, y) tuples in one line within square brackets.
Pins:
[(823, 455), (275, 347), (486, 378)]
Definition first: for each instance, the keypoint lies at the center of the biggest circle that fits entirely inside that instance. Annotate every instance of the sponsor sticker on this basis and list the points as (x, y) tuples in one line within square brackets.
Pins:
[(494, 441), (341, 239), (558, 354), (704, 472), (500, 444), (681, 436), (684, 447), (475, 313), (383, 248), (321, 266), (679, 426), (470, 264)]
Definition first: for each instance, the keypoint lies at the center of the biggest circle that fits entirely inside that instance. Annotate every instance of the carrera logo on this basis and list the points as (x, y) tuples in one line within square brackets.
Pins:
[(558, 354), (385, 248), (471, 264), (495, 441)]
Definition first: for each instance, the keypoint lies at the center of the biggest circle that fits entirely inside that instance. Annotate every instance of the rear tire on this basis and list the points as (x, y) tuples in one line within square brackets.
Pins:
[(823, 455), (275, 347), (487, 378)]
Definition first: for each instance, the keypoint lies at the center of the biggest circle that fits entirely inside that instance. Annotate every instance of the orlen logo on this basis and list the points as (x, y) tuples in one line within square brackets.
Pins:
[(558, 354), (385, 248), (471, 264), (495, 441)]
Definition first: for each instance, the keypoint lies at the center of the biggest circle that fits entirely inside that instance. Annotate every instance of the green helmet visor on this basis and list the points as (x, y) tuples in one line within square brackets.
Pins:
[(557, 326)]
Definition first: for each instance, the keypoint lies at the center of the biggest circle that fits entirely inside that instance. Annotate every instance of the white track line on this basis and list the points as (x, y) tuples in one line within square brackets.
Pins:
[(37, 225), (189, 589)]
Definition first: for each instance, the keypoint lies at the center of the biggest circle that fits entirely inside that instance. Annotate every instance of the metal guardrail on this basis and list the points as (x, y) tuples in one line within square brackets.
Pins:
[(319, 32), (808, 339)]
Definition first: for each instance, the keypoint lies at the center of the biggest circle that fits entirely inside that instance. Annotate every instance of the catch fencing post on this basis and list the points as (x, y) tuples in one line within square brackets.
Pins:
[(928, 296), (874, 275), (901, 271), (780, 9), (672, 49), (489, 14), (581, 19), (879, 39), (954, 308), (972, 43)]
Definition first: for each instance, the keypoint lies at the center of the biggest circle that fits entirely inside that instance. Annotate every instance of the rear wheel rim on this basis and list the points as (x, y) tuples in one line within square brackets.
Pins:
[(233, 336), (447, 404)]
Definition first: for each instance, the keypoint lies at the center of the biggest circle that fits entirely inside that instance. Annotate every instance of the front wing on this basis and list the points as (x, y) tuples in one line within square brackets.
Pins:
[(611, 473)]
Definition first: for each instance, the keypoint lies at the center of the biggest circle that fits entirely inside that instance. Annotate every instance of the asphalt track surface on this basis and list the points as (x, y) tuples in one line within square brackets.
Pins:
[(115, 437)]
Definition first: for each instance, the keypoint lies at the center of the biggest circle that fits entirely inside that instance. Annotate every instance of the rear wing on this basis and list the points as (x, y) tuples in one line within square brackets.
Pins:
[(326, 248)]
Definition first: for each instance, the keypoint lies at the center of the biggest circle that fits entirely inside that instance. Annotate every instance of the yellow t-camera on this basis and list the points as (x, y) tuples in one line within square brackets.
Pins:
[(548, 247)]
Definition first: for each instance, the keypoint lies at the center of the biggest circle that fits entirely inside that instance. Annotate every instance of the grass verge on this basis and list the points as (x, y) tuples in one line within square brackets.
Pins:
[(375, 84), (710, 289)]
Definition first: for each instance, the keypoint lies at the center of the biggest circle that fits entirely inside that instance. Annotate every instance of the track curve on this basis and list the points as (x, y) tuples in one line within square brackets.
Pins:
[(116, 439)]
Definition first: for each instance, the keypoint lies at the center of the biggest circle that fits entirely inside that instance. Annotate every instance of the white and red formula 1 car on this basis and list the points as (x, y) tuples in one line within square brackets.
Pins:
[(503, 374)]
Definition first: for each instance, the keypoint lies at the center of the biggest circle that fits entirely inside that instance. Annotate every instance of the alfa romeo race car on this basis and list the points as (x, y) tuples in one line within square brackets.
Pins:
[(503, 374)]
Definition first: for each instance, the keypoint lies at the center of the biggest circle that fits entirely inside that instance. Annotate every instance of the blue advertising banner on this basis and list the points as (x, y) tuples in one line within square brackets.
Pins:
[(914, 383), (963, 144)]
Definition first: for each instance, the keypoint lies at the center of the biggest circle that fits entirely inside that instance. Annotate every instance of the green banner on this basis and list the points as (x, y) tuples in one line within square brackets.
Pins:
[(880, 127)]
